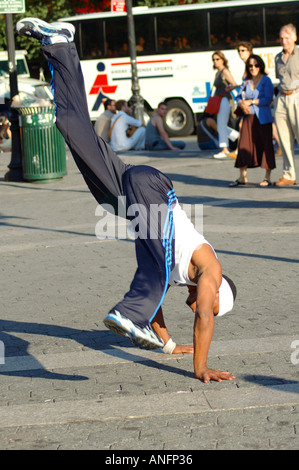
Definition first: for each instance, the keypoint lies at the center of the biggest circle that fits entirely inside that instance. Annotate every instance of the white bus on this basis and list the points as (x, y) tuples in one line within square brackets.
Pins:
[(174, 52)]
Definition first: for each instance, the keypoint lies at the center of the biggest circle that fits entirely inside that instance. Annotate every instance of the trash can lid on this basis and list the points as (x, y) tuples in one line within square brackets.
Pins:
[(36, 109)]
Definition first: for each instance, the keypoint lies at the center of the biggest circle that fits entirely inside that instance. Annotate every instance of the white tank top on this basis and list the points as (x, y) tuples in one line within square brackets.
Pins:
[(187, 239)]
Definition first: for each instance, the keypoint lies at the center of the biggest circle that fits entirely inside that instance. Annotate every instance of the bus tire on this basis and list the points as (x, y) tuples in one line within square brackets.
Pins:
[(179, 119)]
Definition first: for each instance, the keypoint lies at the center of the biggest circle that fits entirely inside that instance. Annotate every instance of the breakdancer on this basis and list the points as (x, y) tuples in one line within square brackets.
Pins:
[(169, 250)]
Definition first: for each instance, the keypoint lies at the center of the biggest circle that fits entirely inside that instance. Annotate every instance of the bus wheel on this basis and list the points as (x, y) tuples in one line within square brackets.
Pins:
[(179, 119)]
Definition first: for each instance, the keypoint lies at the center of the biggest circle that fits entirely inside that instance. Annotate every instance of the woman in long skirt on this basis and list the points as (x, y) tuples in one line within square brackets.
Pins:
[(255, 147)]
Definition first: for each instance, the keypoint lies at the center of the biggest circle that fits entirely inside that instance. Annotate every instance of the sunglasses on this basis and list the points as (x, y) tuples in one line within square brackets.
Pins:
[(251, 66), (242, 50)]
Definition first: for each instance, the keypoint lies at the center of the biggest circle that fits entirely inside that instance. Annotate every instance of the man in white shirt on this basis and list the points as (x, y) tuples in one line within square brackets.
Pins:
[(119, 125), (169, 251)]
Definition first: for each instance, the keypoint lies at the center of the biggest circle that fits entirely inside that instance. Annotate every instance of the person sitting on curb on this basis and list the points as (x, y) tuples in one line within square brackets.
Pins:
[(103, 122), (5, 134), (207, 135), (120, 122), (156, 137)]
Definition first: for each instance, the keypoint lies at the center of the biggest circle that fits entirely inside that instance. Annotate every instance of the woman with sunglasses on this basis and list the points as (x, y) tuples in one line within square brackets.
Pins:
[(255, 148), (224, 82)]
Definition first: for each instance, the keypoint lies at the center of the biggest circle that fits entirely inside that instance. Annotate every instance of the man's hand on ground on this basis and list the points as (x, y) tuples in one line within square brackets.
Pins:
[(213, 374), (183, 348)]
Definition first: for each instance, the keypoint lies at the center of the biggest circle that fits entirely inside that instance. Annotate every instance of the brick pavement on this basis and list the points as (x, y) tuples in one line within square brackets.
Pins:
[(68, 383)]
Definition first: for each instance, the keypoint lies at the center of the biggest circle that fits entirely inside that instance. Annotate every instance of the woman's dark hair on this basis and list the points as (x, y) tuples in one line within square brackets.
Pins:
[(259, 62)]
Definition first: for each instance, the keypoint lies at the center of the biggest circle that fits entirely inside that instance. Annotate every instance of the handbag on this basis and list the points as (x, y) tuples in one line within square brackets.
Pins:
[(239, 112), (213, 105)]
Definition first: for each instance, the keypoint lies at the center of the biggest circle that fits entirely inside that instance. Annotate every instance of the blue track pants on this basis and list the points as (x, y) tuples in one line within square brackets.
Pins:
[(108, 178)]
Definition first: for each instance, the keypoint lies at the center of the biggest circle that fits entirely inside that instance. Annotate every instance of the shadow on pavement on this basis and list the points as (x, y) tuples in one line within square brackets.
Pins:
[(273, 382), (93, 339)]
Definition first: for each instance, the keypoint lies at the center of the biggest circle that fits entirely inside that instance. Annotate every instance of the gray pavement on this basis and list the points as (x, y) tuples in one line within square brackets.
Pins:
[(69, 383)]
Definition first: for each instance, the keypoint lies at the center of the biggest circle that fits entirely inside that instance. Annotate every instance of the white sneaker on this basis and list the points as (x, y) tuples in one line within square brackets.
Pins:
[(144, 338), (46, 33), (221, 154)]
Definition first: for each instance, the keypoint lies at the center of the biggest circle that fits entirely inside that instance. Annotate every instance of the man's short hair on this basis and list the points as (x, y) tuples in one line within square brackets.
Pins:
[(163, 103), (107, 102), (246, 44), (289, 27), (119, 104)]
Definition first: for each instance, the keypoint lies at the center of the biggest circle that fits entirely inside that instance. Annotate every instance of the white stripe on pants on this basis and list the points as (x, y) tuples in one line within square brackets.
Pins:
[(222, 120), (287, 123)]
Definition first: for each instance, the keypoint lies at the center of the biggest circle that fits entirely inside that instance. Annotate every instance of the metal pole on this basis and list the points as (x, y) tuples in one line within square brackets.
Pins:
[(136, 100), (15, 172)]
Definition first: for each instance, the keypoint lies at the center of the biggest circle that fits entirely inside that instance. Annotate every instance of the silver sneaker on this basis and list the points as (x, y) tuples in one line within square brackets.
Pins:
[(144, 338), (45, 32)]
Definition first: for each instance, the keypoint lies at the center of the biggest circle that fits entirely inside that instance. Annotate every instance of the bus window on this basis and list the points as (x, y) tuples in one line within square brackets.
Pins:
[(144, 33), (77, 41), (230, 26), (278, 16), (117, 37), (181, 32), (92, 43)]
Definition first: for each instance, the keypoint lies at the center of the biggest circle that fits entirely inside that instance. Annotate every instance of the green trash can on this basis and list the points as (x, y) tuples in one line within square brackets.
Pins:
[(43, 147)]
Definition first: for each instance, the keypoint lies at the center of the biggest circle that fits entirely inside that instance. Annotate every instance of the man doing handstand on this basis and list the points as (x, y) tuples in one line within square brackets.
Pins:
[(169, 251)]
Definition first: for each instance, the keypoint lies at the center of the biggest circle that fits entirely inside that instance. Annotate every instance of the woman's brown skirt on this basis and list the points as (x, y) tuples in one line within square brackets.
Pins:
[(255, 146)]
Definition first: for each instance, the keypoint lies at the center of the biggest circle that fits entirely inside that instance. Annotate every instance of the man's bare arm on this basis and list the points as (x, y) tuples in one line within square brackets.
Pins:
[(209, 279), (159, 327), (159, 124)]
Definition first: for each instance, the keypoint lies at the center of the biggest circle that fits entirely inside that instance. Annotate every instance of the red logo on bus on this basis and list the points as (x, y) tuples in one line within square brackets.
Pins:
[(101, 83), (101, 88)]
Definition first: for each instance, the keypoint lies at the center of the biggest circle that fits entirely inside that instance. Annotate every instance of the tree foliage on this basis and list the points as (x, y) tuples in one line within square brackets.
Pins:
[(49, 10)]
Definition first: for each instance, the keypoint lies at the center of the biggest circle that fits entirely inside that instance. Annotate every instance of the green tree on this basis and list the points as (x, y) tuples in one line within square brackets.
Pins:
[(49, 10)]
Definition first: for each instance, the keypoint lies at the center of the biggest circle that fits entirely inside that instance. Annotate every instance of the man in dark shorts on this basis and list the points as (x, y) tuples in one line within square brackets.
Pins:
[(169, 251)]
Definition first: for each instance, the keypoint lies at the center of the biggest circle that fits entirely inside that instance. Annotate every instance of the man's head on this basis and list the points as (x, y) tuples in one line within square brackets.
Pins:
[(288, 37), (110, 105), (122, 105), (225, 297), (162, 109), (244, 50)]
